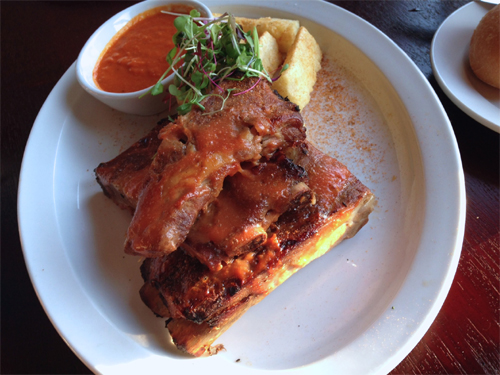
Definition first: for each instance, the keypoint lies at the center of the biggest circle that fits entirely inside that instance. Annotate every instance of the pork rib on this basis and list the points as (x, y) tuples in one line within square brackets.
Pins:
[(123, 178), (201, 297), (198, 151), (202, 303), (236, 222)]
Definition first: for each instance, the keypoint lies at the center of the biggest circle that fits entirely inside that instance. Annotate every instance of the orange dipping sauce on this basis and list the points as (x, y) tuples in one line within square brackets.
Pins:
[(136, 56)]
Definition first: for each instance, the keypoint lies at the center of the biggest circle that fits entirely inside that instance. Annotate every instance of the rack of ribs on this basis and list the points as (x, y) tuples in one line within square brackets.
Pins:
[(249, 220)]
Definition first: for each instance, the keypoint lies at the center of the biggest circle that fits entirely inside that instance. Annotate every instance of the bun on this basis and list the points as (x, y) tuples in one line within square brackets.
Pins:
[(484, 53)]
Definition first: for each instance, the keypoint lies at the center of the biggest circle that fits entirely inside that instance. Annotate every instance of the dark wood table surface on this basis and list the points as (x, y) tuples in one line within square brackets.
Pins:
[(40, 40)]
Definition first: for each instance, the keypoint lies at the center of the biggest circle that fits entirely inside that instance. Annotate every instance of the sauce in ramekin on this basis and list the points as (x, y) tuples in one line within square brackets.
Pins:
[(135, 58)]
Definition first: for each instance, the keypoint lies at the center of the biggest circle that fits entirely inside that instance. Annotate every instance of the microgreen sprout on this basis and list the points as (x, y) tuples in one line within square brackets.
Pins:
[(208, 51)]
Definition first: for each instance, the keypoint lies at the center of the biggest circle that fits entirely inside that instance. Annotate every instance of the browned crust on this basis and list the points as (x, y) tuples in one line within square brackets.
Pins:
[(300, 236), (123, 178), (198, 151), (197, 339)]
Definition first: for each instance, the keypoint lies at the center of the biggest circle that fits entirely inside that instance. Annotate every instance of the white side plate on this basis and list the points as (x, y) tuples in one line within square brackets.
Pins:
[(450, 63)]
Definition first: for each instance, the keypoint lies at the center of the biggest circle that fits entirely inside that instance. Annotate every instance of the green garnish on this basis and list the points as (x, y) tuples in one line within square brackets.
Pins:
[(211, 51)]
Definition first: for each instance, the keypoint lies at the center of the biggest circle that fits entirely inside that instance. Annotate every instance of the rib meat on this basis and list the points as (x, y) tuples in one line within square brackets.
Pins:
[(198, 151), (236, 222), (123, 178), (205, 301)]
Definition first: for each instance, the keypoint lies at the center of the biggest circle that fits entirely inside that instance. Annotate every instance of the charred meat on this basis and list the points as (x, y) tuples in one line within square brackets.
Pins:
[(198, 151)]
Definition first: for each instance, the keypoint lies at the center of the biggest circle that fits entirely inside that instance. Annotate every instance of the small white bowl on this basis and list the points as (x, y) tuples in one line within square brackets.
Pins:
[(124, 102)]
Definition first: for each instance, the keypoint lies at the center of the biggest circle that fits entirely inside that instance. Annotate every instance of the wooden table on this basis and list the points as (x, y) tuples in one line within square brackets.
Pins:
[(40, 40)]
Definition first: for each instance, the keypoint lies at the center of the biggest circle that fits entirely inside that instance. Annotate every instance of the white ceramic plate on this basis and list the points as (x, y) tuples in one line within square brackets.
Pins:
[(359, 309), (450, 63)]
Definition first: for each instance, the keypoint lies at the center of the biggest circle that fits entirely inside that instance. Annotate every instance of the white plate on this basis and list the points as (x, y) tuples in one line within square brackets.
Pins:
[(450, 63), (359, 309)]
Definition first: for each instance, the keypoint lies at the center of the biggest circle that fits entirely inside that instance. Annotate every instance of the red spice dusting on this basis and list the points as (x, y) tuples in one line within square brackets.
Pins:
[(343, 120)]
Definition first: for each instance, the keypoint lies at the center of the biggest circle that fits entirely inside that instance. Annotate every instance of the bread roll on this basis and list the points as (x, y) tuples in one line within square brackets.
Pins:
[(484, 53)]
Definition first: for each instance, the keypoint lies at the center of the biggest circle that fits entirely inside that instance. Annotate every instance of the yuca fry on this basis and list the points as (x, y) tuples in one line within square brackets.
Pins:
[(269, 53), (303, 55), (284, 31), (304, 61)]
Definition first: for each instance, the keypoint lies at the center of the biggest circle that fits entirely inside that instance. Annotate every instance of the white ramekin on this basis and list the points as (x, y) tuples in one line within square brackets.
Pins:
[(124, 102)]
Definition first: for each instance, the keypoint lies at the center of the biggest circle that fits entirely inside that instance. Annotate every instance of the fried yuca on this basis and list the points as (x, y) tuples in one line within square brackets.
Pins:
[(304, 61), (269, 53), (293, 45)]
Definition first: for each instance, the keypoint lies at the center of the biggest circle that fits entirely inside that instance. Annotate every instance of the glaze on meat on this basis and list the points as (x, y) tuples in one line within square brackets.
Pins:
[(236, 222), (198, 151), (192, 291)]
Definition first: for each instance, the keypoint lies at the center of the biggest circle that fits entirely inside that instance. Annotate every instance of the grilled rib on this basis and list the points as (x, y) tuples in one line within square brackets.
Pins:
[(204, 301), (123, 178), (236, 222), (198, 152)]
